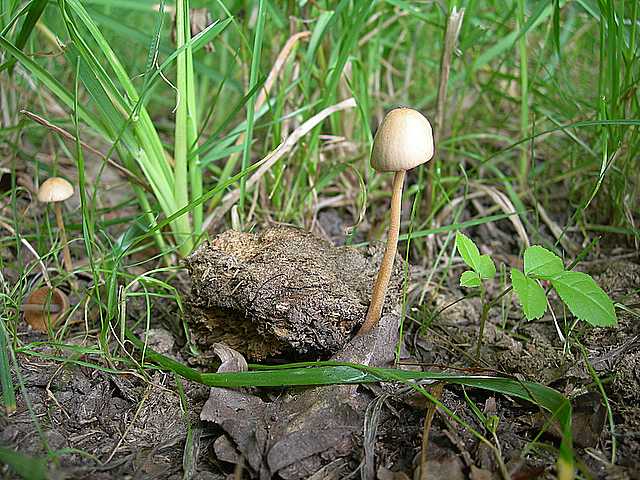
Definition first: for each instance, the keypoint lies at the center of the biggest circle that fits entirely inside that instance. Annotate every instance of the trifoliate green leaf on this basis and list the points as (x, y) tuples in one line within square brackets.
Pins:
[(585, 299), (530, 293), (470, 279), (542, 263), (486, 267)]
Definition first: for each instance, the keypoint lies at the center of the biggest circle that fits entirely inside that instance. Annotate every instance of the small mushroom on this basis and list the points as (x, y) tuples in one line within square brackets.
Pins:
[(403, 141), (44, 307), (55, 190)]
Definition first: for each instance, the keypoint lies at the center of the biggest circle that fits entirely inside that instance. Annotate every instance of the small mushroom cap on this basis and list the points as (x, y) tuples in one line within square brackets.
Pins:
[(39, 319), (55, 189), (403, 141)]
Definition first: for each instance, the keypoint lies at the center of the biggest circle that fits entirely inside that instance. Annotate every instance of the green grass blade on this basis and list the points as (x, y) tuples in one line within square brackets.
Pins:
[(253, 78), (8, 392), (213, 140), (449, 228), (52, 84), (183, 118), (195, 169), (88, 233), (507, 42), (35, 9), (524, 92), (556, 27), (220, 187)]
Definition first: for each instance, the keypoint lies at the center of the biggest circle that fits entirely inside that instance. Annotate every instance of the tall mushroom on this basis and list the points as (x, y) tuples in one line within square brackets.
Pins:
[(55, 190), (403, 141)]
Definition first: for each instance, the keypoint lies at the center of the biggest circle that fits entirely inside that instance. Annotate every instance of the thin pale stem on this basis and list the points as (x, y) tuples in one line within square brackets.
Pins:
[(454, 24), (386, 267), (483, 320), (524, 95), (68, 264), (182, 225)]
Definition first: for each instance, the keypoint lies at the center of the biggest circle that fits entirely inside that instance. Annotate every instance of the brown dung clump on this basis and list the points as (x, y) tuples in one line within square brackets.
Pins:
[(281, 291)]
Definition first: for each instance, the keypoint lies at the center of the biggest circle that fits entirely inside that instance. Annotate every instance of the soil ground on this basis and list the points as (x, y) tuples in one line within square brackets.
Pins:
[(100, 423)]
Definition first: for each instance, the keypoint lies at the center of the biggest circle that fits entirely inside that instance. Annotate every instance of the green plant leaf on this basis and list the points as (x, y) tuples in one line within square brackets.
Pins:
[(542, 263), (586, 300), (530, 293), (486, 267), (470, 279), (468, 251)]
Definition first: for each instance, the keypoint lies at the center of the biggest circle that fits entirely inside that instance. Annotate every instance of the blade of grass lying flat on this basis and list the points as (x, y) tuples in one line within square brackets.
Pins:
[(332, 373), (73, 359)]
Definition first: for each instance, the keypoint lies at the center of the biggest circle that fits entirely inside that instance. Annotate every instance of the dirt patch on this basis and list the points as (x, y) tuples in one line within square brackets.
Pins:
[(116, 425), (126, 425)]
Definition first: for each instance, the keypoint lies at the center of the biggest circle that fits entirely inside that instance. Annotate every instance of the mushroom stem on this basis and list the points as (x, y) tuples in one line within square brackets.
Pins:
[(68, 264), (386, 267)]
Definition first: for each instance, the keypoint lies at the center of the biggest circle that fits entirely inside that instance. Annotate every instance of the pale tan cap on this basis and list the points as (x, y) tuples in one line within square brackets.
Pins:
[(403, 141), (55, 189)]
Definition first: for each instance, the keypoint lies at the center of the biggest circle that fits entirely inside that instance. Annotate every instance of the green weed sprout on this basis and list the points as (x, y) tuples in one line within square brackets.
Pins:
[(579, 291)]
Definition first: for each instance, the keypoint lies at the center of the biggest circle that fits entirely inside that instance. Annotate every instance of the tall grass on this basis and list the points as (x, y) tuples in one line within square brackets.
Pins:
[(354, 48), (121, 119), (541, 104)]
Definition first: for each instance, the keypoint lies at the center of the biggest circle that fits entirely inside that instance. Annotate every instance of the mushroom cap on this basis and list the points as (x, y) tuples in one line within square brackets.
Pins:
[(55, 189), (403, 141), (48, 298)]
